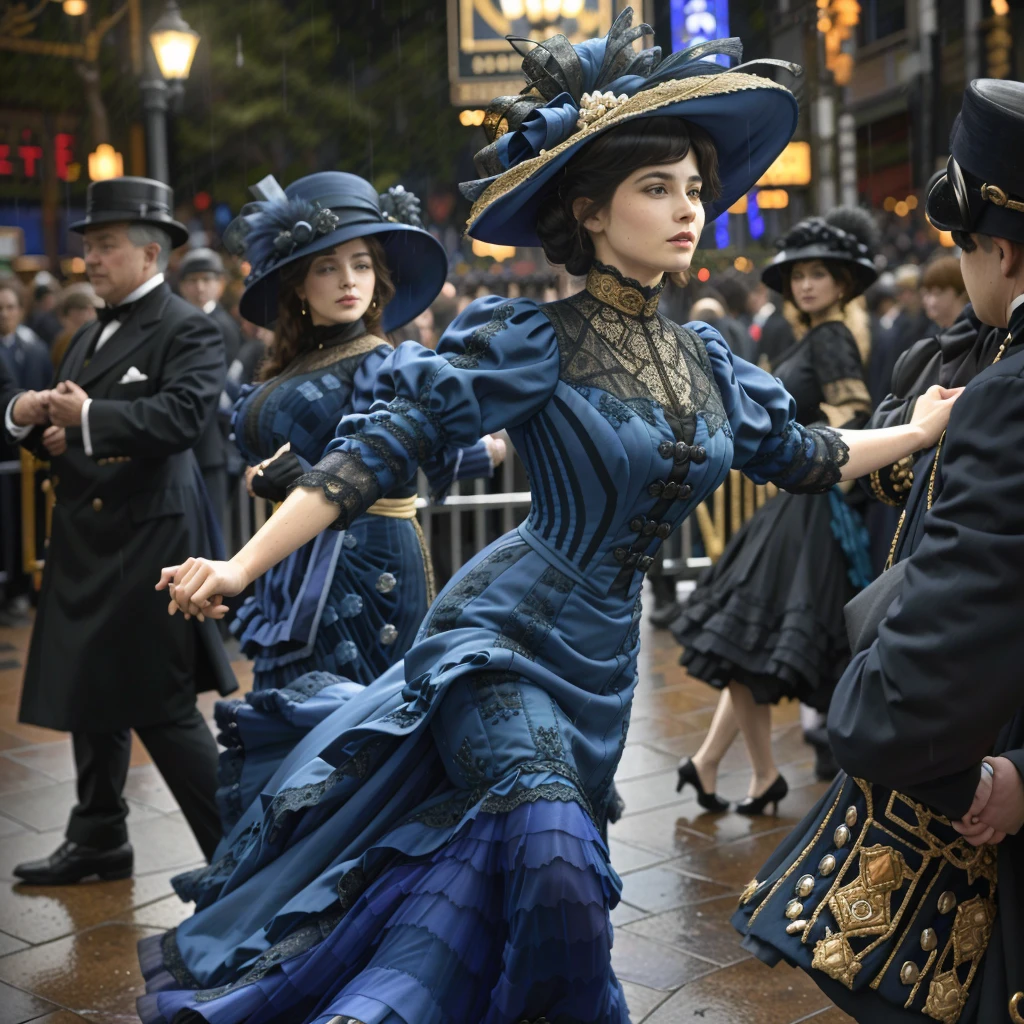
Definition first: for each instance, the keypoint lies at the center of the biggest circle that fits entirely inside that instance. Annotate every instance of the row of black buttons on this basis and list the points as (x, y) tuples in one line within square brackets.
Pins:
[(682, 452), (649, 527), (633, 560), (670, 490)]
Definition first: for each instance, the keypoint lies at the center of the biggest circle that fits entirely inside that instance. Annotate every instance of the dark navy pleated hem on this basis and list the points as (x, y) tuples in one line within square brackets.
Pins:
[(508, 921)]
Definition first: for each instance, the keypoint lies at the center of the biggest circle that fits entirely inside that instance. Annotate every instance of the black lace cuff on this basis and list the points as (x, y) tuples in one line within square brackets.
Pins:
[(277, 477), (821, 466), (346, 481)]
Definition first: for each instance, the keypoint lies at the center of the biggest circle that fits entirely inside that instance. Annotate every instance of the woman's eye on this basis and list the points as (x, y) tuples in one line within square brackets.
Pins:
[(694, 193), (363, 266), (657, 190)]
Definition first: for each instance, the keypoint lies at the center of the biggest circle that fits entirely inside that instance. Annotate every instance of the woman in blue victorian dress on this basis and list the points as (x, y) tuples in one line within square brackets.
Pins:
[(766, 621), (432, 851), (348, 603)]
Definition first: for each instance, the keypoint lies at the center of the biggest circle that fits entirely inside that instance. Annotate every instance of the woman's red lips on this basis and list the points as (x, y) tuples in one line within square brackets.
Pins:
[(348, 299)]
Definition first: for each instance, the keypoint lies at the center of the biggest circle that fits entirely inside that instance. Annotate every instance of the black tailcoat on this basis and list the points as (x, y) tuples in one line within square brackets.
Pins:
[(943, 685), (105, 655)]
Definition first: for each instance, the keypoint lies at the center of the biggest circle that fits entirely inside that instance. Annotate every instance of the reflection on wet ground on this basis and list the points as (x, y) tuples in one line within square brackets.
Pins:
[(68, 954)]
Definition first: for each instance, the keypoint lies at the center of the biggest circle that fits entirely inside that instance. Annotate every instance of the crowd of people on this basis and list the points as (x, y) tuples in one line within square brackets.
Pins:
[(409, 817)]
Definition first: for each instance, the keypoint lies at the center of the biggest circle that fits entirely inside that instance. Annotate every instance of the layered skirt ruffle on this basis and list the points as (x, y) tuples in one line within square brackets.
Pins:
[(507, 921), (769, 613), (347, 603)]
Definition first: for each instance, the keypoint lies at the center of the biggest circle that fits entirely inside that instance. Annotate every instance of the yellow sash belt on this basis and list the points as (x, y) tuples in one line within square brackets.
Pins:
[(394, 508)]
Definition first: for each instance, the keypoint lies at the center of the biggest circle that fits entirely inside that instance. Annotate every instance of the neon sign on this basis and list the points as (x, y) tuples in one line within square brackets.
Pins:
[(24, 159), (697, 21)]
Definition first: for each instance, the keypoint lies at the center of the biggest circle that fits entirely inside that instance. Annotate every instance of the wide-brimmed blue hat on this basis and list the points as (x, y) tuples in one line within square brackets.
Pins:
[(575, 93), (327, 209)]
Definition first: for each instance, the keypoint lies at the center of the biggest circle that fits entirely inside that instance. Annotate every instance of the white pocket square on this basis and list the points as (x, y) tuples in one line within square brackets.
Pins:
[(133, 376)]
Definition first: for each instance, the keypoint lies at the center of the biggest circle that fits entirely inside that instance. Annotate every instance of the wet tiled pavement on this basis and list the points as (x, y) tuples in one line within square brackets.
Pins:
[(68, 954)]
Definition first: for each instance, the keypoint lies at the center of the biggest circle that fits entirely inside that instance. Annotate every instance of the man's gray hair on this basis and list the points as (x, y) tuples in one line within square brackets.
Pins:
[(143, 234)]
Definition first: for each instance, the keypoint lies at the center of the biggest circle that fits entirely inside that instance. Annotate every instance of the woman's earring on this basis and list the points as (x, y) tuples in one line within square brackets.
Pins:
[(305, 308), (374, 304)]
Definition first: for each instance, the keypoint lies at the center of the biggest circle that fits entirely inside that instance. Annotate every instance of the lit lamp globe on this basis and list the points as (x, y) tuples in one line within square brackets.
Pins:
[(105, 162), (174, 44), (75, 8)]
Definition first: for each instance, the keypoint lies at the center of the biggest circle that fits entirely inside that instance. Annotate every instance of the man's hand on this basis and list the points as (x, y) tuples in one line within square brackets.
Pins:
[(55, 441), (31, 409), (1004, 810), (971, 826), (66, 401)]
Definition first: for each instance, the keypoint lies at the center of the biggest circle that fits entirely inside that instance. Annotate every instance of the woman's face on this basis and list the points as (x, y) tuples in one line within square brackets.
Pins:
[(653, 223), (339, 285), (942, 305), (815, 290)]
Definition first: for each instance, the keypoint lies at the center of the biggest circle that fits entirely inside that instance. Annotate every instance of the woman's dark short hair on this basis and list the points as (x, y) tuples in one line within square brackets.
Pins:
[(598, 169), (841, 274)]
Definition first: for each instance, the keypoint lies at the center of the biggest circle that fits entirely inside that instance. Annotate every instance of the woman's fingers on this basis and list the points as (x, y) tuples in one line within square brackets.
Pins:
[(207, 591), (167, 575)]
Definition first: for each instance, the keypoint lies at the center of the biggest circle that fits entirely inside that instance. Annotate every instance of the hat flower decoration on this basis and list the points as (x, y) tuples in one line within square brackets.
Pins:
[(573, 93)]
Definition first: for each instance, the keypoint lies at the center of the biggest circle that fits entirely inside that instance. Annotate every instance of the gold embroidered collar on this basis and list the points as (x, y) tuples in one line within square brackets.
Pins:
[(625, 294)]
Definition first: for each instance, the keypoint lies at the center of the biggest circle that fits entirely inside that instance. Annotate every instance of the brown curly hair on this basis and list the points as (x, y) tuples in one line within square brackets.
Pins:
[(292, 334)]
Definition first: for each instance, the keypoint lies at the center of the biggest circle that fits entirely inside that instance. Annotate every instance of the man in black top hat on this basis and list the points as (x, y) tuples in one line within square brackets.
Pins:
[(932, 708), (201, 282), (134, 393)]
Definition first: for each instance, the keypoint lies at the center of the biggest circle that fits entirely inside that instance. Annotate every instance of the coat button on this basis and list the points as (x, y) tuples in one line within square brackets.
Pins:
[(909, 973), (655, 490), (620, 554), (699, 454), (683, 451), (670, 490), (636, 525), (644, 562), (685, 491), (97, 504), (665, 449), (663, 531), (649, 527)]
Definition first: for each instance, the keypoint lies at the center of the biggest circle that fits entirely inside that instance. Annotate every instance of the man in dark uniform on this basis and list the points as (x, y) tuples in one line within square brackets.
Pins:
[(932, 708), (201, 282), (134, 392)]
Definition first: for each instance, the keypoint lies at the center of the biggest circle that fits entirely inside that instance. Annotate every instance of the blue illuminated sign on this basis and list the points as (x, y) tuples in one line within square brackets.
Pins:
[(697, 21)]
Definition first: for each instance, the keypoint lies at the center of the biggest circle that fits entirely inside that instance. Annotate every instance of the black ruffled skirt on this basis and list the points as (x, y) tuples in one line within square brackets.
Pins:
[(769, 613)]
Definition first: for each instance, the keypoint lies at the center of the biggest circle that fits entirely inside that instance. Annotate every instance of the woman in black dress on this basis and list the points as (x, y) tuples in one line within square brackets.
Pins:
[(766, 622)]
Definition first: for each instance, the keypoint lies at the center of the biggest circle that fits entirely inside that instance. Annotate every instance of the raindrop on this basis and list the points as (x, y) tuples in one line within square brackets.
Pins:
[(239, 56)]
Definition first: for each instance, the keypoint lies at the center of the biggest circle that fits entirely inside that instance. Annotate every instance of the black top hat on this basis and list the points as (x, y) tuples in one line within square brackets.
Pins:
[(132, 201), (983, 188), (201, 261)]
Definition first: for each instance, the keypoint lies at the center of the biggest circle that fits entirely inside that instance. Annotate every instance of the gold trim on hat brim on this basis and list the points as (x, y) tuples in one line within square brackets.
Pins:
[(643, 103)]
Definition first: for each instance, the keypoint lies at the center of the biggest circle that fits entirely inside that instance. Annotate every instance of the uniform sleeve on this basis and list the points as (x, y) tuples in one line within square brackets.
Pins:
[(768, 443), (364, 380), (840, 375), (920, 708), (495, 366), (173, 419)]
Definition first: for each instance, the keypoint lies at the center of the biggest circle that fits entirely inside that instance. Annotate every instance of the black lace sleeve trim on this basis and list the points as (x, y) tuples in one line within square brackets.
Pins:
[(822, 469), (346, 481)]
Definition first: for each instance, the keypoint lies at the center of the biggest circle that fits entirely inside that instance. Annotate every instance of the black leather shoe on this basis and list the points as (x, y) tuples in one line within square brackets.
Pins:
[(71, 862), (754, 805), (709, 801)]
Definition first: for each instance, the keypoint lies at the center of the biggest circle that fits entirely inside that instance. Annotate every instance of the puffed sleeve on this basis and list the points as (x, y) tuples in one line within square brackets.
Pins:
[(919, 709), (769, 445), (840, 375), (495, 366)]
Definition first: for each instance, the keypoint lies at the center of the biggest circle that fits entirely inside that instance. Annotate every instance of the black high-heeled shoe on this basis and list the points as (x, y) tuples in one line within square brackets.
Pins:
[(709, 801), (772, 795)]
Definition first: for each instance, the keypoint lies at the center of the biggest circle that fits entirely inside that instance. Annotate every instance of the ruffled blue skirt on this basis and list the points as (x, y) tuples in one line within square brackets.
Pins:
[(507, 921)]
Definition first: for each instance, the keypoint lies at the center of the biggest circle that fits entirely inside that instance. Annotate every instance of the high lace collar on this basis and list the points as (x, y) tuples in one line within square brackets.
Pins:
[(332, 335), (625, 294)]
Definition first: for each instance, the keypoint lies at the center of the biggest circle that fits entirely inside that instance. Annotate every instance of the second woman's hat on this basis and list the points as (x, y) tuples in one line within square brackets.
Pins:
[(574, 93), (845, 235), (327, 209)]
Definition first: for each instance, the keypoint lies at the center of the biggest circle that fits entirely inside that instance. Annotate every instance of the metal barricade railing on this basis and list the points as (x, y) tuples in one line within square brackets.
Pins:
[(475, 519)]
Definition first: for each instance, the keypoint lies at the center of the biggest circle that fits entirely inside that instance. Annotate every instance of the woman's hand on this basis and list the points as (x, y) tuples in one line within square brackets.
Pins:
[(496, 450), (931, 413), (199, 585), (251, 471)]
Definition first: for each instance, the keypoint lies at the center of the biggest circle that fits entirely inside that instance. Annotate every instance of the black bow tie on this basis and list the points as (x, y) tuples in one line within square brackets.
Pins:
[(110, 313)]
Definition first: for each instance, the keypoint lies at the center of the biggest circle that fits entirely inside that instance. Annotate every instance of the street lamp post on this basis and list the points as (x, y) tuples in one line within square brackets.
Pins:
[(168, 61)]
